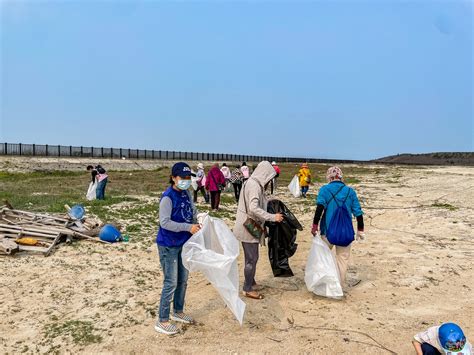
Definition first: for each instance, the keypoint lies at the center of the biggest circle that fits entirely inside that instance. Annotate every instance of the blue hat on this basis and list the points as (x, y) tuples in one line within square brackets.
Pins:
[(181, 169), (452, 339)]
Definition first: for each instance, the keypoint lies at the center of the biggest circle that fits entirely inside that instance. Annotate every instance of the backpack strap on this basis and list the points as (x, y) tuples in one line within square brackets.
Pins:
[(334, 196)]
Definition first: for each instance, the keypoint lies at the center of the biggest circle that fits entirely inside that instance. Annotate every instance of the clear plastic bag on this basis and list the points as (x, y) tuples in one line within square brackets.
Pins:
[(194, 183), (90, 195), (294, 186), (321, 273), (214, 251)]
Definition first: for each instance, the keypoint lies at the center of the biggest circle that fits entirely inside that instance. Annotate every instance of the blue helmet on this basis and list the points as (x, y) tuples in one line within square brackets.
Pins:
[(451, 337)]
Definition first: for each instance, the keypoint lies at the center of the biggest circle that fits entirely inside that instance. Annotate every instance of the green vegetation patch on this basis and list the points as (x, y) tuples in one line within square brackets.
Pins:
[(445, 206), (81, 332)]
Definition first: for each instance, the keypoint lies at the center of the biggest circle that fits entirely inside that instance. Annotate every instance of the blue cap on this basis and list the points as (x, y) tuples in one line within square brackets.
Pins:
[(451, 337), (181, 169)]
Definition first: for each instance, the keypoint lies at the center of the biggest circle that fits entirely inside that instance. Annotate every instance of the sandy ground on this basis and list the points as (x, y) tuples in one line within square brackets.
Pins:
[(416, 270)]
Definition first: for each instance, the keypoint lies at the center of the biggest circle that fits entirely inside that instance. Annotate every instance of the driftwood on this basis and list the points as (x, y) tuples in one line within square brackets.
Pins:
[(7, 246), (47, 229)]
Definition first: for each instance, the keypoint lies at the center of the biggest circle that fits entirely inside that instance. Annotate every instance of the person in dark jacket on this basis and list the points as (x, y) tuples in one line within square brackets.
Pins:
[(177, 224)]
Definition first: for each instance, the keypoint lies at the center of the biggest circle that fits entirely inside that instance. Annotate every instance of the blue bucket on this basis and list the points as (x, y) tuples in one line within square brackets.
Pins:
[(110, 234), (77, 212)]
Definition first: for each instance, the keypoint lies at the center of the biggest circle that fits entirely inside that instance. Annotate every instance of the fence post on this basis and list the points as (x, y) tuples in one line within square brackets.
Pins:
[(101, 152), (82, 151), (47, 152), (59, 150), (20, 148), (121, 155), (34, 149), (70, 150)]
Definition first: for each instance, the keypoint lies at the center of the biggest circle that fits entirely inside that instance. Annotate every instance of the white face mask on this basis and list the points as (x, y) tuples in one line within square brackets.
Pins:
[(183, 184)]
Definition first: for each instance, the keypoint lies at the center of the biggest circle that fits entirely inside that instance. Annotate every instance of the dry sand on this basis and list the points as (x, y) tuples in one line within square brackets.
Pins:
[(416, 270)]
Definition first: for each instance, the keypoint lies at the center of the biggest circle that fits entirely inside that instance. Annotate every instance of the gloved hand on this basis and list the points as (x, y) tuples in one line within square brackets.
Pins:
[(315, 229), (360, 236)]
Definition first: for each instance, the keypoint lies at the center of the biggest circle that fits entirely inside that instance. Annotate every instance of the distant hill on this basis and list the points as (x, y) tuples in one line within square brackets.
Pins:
[(454, 158)]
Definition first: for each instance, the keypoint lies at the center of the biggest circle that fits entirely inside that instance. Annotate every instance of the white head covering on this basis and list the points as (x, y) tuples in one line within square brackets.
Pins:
[(334, 173)]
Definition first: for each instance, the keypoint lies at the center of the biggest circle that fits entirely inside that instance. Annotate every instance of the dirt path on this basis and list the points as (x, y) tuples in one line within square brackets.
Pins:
[(416, 270)]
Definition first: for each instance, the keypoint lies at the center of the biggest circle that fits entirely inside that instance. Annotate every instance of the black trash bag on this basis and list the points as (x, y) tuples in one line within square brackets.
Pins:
[(282, 239)]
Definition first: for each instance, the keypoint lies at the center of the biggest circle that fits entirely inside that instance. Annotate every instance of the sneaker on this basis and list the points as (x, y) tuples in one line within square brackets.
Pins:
[(166, 328), (182, 317)]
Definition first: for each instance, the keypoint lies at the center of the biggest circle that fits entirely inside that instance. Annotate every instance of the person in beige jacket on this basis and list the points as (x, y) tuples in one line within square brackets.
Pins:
[(253, 204)]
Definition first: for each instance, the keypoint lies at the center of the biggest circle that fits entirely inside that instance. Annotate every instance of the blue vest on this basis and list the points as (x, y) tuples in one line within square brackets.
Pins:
[(182, 212)]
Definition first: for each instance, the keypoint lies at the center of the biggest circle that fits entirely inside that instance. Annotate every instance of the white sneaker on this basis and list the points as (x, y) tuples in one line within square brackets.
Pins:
[(183, 318), (168, 329)]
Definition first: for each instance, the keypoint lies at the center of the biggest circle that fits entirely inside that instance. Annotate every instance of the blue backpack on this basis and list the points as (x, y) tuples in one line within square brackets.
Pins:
[(340, 230)]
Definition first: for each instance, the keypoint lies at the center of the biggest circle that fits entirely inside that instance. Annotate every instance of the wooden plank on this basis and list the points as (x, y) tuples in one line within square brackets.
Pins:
[(53, 244), (34, 215), (32, 248)]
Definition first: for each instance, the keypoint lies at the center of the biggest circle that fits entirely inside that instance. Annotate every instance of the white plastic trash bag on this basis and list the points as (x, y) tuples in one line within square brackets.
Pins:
[(90, 195), (321, 273), (294, 186), (214, 251), (194, 183)]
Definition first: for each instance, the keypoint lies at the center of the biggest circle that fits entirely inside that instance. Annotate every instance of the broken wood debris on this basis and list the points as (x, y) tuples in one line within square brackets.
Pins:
[(41, 232)]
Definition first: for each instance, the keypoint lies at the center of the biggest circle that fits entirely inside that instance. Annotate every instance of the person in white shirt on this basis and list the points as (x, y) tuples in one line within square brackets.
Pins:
[(446, 339)]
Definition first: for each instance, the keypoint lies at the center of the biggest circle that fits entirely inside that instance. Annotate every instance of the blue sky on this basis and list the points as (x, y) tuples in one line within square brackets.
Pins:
[(330, 79)]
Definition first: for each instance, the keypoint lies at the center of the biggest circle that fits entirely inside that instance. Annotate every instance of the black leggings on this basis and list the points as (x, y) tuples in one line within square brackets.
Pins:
[(204, 194), (237, 189)]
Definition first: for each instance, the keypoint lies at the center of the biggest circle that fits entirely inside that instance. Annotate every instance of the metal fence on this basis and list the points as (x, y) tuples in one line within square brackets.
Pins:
[(46, 150)]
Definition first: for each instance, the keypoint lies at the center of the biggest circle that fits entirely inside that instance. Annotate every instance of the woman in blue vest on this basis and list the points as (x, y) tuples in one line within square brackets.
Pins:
[(330, 196), (177, 224)]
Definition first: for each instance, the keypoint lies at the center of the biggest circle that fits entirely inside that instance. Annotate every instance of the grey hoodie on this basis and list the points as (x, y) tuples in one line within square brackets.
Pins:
[(253, 198)]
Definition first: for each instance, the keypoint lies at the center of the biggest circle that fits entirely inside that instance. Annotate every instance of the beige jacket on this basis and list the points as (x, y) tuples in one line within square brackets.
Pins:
[(253, 191)]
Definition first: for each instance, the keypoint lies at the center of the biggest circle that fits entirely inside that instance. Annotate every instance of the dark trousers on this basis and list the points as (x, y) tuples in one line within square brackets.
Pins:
[(250, 268), (215, 199), (237, 189), (304, 190), (204, 194), (273, 185), (429, 349)]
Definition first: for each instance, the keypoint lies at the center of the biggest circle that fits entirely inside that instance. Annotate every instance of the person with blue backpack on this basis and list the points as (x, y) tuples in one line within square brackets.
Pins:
[(335, 205), (177, 224)]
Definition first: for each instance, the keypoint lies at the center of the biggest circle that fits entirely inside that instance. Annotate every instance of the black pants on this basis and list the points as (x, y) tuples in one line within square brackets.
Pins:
[(215, 199), (237, 189), (250, 268), (204, 194), (273, 185), (429, 349)]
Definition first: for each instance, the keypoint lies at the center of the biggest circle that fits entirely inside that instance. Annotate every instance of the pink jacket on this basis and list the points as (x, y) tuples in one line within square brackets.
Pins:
[(214, 179)]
